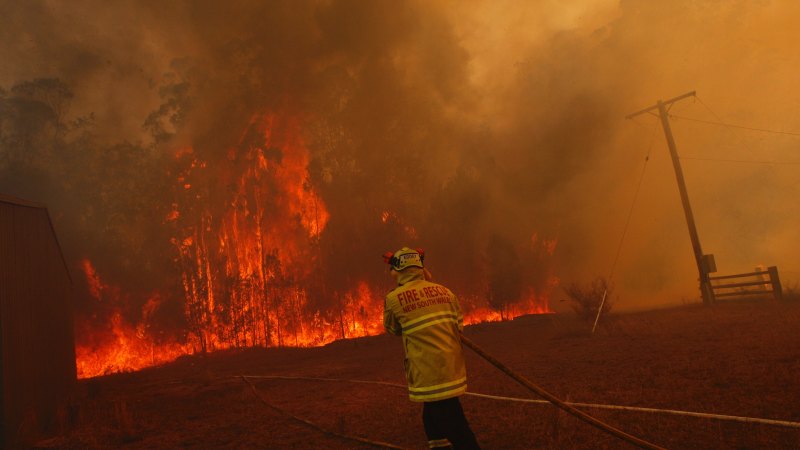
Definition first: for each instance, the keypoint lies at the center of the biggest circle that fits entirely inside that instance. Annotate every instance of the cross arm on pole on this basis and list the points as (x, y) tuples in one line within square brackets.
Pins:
[(666, 102)]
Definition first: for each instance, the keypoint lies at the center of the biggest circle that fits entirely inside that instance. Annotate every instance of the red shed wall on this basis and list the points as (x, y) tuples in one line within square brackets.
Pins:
[(38, 353)]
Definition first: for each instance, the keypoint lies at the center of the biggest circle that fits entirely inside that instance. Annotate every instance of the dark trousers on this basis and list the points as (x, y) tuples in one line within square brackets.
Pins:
[(444, 420)]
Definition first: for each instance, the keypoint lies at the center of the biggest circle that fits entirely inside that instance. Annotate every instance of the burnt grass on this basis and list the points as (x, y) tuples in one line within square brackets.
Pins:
[(737, 358)]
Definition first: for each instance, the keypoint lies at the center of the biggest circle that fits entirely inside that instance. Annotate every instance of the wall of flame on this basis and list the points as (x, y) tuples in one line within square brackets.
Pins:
[(246, 242)]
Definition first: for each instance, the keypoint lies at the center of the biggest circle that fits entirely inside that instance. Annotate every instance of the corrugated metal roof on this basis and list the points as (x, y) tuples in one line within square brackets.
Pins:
[(26, 203), (20, 202)]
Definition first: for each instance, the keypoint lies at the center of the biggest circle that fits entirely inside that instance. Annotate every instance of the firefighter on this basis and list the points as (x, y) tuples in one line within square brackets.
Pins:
[(428, 317)]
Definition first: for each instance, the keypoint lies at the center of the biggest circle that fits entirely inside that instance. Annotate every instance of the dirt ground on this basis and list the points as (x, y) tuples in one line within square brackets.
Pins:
[(735, 358)]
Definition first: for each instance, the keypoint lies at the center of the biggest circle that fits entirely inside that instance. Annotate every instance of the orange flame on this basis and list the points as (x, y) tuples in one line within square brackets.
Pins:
[(248, 267), (128, 349), (93, 280), (475, 312), (123, 347), (241, 269)]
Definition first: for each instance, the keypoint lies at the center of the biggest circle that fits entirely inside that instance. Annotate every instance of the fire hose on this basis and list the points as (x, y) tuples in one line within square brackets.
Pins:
[(517, 377), (675, 412), (557, 402), (568, 407), (318, 427)]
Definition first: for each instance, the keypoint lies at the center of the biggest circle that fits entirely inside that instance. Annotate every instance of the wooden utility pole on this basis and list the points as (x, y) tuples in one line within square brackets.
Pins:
[(705, 284)]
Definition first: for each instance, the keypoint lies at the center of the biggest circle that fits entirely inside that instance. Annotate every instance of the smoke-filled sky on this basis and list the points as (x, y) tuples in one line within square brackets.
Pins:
[(465, 120)]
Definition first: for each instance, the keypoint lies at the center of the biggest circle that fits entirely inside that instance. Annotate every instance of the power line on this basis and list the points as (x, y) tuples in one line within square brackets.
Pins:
[(711, 122), (746, 161), (730, 129)]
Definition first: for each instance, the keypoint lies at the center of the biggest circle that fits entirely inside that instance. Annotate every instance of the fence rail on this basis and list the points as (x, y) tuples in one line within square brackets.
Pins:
[(763, 278)]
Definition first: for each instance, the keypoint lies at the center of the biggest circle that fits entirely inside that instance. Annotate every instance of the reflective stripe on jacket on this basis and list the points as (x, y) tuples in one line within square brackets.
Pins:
[(428, 317)]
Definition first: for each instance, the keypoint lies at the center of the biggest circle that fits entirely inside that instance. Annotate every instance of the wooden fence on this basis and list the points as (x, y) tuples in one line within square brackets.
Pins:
[(760, 282)]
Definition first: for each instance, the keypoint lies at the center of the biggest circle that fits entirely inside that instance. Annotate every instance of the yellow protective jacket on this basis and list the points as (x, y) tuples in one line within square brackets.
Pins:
[(428, 317)]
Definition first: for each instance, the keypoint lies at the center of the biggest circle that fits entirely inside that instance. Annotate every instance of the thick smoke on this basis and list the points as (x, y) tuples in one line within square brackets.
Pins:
[(446, 125)]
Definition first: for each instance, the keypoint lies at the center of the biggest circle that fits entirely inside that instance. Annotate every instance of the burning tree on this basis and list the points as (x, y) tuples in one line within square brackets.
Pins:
[(247, 239), (190, 244)]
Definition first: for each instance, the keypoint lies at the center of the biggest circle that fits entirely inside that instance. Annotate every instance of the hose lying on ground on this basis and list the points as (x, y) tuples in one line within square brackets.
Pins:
[(674, 412), (555, 401), (313, 425)]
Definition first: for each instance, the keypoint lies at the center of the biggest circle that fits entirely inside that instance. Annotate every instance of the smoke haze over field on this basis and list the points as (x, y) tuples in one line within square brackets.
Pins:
[(445, 125)]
